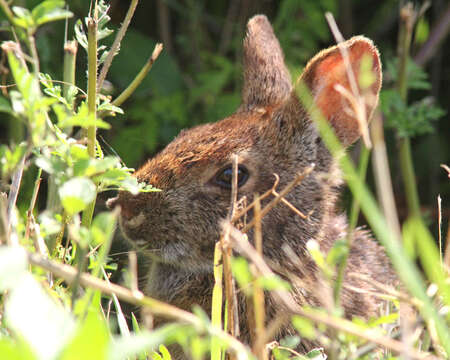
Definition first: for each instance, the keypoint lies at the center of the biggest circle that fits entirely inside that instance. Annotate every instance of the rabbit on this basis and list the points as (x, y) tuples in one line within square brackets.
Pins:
[(176, 229)]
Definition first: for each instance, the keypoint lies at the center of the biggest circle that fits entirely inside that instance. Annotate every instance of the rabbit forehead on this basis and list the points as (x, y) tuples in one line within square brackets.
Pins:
[(204, 145)]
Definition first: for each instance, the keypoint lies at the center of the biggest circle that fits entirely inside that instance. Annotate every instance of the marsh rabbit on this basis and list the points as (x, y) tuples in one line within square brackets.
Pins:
[(176, 229)]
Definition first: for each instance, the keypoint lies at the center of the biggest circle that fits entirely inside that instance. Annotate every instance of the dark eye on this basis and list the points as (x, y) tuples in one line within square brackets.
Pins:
[(224, 177)]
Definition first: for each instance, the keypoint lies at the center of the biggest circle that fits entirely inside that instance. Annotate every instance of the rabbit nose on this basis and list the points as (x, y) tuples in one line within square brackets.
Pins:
[(112, 202), (127, 210)]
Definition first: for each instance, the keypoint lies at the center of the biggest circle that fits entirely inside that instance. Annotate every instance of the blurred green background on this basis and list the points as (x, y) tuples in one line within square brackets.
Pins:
[(198, 78)]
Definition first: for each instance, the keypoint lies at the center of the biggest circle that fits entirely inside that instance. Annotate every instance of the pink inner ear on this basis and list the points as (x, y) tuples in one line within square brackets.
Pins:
[(328, 69)]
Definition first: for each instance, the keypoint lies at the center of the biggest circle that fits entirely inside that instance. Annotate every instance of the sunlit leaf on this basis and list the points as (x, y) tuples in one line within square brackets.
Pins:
[(50, 10), (76, 194), (31, 313)]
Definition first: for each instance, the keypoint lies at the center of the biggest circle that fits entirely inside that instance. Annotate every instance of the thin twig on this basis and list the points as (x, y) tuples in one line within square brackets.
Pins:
[(447, 247), (7, 11), (258, 292), (14, 191), (116, 44), (139, 77), (439, 203), (123, 326), (159, 308), (290, 206), (382, 175), (282, 194), (132, 260), (288, 302), (37, 183), (230, 290), (244, 211), (354, 97)]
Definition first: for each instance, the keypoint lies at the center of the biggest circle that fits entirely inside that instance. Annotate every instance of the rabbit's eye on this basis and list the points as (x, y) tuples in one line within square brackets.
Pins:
[(224, 177)]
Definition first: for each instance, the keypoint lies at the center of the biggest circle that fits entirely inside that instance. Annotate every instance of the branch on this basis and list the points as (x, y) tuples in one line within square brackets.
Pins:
[(116, 44), (139, 77)]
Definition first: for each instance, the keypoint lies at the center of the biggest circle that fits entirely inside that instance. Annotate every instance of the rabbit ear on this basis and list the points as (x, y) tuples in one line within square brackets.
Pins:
[(326, 75), (266, 79)]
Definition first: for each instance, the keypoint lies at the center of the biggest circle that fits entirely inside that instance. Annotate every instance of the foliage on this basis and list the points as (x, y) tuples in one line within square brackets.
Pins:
[(42, 316), (409, 119)]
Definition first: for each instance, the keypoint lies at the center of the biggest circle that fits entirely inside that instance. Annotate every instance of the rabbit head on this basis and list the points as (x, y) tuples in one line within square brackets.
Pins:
[(271, 133)]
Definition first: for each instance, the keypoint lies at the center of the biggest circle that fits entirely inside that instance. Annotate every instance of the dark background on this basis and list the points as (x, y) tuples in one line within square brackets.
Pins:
[(198, 77)]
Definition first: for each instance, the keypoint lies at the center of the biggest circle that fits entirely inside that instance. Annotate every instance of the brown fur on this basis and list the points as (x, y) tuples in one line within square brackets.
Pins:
[(271, 132)]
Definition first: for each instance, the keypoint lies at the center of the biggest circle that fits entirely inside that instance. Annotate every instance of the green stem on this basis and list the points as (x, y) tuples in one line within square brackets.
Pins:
[(7, 11), (409, 178), (403, 264), (382, 176), (139, 77), (407, 18), (217, 301), (91, 101), (353, 219), (70, 57), (362, 171), (116, 44)]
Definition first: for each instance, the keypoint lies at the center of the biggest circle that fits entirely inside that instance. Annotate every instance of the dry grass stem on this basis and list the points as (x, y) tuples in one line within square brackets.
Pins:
[(120, 316), (447, 248), (446, 168), (439, 204), (280, 196), (258, 293), (156, 307), (290, 206), (269, 192), (286, 301), (382, 175), (387, 290), (230, 287), (354, 97), (133, 267), (279, 320), (30, 218)]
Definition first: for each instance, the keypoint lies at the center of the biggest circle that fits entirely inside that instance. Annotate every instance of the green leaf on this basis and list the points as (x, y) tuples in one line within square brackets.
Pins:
[(33, 315), (51, 164), (89, 167), (9, 158), (91, 340), (13, 265), (273, 282), (83, 119), (80, 34), (422, 31), (241, 272), (50, 10), (164, 352), (124, 347), (337, 253), (103, 227), (23, 18), (76, 194), (316, 354), (15, 350), (304, 326), (5, 106)]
